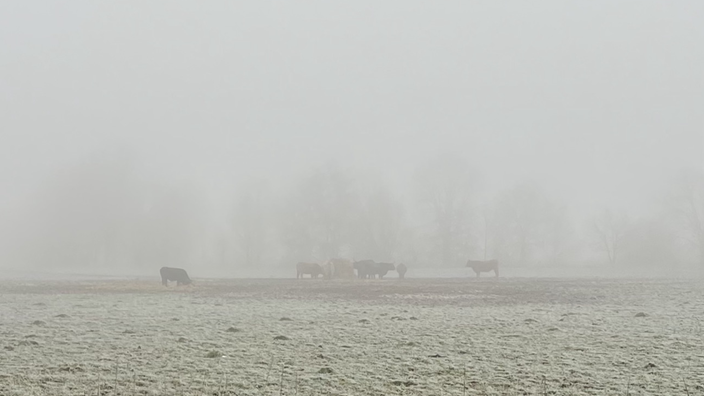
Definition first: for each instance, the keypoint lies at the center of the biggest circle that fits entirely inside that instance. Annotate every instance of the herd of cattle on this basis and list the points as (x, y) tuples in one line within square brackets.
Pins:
[(369, 269), (338, 269), (345, 269)]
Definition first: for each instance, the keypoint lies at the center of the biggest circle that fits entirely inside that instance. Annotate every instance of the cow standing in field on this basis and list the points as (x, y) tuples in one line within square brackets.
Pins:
[(363, 267), (401, 269), (341, 268), (380, 269), (174, 274), (311, 269), (484, 266)]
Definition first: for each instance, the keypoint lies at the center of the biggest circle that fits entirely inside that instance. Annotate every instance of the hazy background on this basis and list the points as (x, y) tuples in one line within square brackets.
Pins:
[(237, 138)]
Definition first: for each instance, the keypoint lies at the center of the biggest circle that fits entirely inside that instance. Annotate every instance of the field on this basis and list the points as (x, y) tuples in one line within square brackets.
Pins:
[(375, 337)]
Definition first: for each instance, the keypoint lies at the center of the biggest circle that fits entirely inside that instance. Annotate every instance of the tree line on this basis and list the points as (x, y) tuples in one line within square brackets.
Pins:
[(104, 213)]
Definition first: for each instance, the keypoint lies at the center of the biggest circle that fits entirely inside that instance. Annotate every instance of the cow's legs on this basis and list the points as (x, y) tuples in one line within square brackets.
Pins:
[(496, 272), (164, 282)]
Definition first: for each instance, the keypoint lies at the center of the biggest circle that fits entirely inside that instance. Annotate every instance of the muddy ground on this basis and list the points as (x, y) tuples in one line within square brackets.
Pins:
[(389, 337)]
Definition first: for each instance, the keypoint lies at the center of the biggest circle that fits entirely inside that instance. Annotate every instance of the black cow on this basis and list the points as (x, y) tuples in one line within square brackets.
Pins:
[(401, 269), (174, 274), (363, 267), (380, 269), (312, 269)]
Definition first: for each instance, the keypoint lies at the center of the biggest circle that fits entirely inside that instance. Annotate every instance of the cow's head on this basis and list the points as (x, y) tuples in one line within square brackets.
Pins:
[(389, 267)]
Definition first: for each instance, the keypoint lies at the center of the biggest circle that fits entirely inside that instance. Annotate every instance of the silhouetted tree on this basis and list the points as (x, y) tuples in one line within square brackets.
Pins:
[(609, 230), (522, 215), (687, 207), (445, 187), (249, 223), (379, 226), (650, 243), (557, 241), (86, 215), (319, 215)]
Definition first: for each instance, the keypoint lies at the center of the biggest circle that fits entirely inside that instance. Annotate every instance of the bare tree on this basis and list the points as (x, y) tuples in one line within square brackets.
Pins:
[(86, 215), (103, 212), (556, 240), (687, 205), (609, 231), (521, 213), (379, 226), (486, 229), (650, 244), (249, 223), (489, 223), (171, 226), (445, 188), (319, 214)]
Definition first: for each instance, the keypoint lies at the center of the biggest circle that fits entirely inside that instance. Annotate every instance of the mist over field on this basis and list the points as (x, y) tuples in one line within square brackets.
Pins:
[(232, 139), (502, 198)]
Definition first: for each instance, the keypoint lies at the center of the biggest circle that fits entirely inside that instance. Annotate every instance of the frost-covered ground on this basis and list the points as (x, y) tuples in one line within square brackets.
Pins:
[(433, 337)]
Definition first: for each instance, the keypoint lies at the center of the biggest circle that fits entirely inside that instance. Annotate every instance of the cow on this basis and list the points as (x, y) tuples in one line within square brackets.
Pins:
[(380, 269), (401, 269), (311, 269), (484, 266), (363, 268), (174, 274), (341, 268)]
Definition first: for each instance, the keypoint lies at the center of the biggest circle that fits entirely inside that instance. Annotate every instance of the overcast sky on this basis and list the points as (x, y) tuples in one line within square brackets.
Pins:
[(598, 101)]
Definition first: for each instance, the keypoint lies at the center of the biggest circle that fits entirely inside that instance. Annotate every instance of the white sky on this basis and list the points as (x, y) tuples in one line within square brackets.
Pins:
[(598, 101)]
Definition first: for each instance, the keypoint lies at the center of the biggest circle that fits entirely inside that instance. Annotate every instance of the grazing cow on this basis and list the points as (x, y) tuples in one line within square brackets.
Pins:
[(174, 274), (484, 266), (342, 268), (401, 269), (311, 269), (381, 269)]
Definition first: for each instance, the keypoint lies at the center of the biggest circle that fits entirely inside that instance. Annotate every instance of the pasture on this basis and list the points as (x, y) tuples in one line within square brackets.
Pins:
[(364, 337)]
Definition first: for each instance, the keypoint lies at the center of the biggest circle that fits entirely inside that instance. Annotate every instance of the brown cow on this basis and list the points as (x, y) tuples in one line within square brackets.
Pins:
[(311, 269), (484, 266), (341, 268), (401, 269)]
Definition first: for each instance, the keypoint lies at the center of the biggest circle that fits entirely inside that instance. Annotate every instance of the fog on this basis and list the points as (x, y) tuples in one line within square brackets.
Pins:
[(237, 139)]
